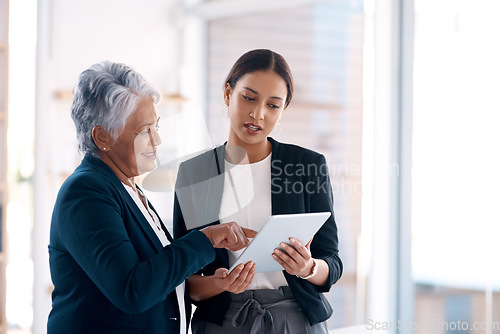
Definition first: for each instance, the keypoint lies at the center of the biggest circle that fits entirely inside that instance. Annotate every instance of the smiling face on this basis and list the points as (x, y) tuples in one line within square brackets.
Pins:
[(255, 106), (134, 152)]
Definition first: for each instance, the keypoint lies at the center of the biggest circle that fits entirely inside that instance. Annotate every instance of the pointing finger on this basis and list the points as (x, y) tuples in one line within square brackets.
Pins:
[(249, 232)]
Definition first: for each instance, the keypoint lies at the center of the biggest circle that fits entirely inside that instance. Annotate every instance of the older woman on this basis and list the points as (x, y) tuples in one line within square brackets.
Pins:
[(114, 266)]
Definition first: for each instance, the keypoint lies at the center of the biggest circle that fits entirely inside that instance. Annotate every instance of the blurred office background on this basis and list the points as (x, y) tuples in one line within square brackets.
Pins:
[(400, 95)]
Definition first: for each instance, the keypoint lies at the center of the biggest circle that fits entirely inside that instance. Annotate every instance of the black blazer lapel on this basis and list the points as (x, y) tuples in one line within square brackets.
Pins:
[(163, 227), (143, 223), (284, 198)]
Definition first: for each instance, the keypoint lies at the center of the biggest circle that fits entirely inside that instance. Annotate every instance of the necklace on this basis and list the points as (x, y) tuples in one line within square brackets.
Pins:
[(144, 201)]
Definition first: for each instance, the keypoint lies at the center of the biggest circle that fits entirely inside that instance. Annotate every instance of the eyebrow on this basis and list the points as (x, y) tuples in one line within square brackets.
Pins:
[(146, 124), (255, 92)]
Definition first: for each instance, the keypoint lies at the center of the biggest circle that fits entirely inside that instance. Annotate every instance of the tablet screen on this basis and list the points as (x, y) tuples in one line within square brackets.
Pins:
[(279, 228)]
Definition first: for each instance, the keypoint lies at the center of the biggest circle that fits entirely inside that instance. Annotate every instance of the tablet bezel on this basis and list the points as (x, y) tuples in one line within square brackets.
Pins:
[(279, 228)]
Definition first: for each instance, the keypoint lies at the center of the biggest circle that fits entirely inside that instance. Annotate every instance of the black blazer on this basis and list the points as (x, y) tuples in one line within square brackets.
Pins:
[(300, 183), (110, 272)]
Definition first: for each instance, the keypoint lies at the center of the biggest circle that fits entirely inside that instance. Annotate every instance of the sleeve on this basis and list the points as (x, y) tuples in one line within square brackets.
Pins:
[(91, 225), (325, 242)]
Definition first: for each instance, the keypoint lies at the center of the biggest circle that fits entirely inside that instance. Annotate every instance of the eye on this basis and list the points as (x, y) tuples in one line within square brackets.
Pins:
[(248, 97), (144, 132), (274, 106)]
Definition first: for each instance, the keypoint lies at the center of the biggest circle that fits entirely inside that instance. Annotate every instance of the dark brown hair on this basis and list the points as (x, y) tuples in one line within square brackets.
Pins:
[(261, 60)]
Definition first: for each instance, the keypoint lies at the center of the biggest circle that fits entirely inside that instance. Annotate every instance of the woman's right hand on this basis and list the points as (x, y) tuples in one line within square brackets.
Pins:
[(238, 280), (229, 235)]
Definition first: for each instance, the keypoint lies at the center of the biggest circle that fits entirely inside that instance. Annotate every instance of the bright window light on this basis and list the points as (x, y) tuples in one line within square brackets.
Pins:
[(455, 155), (22, 59)]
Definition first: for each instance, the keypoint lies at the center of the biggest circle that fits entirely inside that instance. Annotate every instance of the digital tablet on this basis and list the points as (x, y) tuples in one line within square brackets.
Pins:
[(279, 228)]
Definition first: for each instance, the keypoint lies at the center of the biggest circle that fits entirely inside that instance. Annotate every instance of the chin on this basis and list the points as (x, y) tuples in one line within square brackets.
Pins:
[(256, 139), (146, 167)]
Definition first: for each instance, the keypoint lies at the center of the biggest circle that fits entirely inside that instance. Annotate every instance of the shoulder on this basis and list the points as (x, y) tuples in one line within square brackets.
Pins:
[(201, 167), (292, 152), (91, 175), (198, 158)]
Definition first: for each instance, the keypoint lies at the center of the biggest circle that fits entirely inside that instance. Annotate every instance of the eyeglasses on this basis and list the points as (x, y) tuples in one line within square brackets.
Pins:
[(151, 132)]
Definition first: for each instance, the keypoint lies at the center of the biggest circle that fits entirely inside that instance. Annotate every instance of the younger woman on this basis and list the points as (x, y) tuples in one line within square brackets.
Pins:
[(249, 178)]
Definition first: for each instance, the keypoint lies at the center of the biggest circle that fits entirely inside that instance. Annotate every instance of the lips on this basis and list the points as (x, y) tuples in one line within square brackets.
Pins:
[(252, 129), (151, 155)]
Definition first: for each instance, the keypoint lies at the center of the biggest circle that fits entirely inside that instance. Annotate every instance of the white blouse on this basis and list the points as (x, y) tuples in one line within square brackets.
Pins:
[(246, 200), (154, 222)]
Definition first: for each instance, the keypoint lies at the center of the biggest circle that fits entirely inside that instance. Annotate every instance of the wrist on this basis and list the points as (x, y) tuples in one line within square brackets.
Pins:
[(206, 232), (313, 272)]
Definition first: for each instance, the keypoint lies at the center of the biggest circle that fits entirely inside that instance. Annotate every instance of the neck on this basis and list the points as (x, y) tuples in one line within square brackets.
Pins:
[(238, 152), (129, 181)]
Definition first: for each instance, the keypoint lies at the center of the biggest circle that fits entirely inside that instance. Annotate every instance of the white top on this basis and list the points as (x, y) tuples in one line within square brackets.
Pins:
[(154, 222), (246, 199)]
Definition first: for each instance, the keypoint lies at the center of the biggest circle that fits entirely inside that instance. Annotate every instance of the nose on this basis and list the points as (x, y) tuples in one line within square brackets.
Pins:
[(258, 112), (154, 136)]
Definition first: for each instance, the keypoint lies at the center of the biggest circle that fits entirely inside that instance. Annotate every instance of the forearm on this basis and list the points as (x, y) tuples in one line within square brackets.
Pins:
[(202, 287)]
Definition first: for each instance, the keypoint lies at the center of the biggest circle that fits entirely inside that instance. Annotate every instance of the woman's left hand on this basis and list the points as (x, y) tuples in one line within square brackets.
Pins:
[(295, 260)]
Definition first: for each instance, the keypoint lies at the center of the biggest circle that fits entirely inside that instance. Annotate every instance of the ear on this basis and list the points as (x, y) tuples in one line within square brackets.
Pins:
[(101, 138), (227, 93)]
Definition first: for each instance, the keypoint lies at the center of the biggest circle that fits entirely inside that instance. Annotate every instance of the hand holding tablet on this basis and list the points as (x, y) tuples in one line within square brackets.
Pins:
[(280, 228)]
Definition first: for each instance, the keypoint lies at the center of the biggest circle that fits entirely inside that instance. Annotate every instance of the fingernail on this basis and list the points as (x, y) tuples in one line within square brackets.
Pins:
[(282, 244), (292, 240)]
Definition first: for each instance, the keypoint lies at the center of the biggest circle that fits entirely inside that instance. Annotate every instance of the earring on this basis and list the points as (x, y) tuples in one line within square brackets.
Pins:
[(104, 148), (225, 111)]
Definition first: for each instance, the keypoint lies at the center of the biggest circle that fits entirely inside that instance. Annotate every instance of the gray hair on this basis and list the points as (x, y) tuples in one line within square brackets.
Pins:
[(106, 94)]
